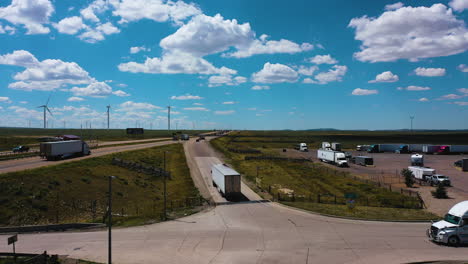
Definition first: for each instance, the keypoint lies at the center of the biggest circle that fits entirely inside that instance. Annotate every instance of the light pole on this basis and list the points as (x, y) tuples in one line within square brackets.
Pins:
[(164, 187), (109, 212)]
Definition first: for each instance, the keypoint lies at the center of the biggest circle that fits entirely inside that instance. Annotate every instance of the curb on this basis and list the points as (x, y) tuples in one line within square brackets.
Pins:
[(49, 228)]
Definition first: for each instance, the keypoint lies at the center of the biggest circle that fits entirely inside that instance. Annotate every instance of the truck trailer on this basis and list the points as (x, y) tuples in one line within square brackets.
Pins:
[(377, 148), (458, 149), (336, 146), (421, 173), (364, 160), (417, 160), (436, 149), (226, 180), (334, 157), (63, 149)]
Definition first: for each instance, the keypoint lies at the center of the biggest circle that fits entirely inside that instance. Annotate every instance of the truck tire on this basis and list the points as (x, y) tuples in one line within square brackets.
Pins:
[(453, 241)]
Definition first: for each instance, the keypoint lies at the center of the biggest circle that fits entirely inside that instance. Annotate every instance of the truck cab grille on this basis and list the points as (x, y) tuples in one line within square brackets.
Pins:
[(434, 231)]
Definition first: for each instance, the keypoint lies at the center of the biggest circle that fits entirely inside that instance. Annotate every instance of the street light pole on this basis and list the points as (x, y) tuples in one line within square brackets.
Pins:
[(109, 215), (164, 182)]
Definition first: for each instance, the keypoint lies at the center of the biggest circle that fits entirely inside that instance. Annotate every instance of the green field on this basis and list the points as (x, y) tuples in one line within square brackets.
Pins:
[(77, 191), (11, 137), (308, 180)]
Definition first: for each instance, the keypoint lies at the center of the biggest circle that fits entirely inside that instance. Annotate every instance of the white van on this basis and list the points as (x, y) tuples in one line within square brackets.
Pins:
[(453, 230)]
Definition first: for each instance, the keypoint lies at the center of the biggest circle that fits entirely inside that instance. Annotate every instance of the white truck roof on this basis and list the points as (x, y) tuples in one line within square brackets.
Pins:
[(459, 209), (225, 170)]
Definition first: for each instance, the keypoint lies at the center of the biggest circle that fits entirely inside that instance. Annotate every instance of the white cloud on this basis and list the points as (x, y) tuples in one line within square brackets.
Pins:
[(451, 97), (196, 109), (323, 59), (32, 14), (75, 99), (186, 97), (23, 102), (459, 5), (70, 25), (394, 6), (120, 93), (96, 7), (429, 72), (275, 73), (132, 106), (463, 90), (387, 76), (95, 89), (218, 80), (414, 88), (228, 112), (359, 91), (333, 75), (43, 75), (461, 103), (134, 50), (5, 100), (260, 87), (98, 34), (308, 71), (252, 109), (423, 99), (173, 63), (309, 80), (462, 67), (431, 32), (229, 103), (7, 29), (197, 104)]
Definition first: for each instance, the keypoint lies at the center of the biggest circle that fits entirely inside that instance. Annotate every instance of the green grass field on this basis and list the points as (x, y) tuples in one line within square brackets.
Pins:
[(11, 137), (307, 180), (68, 190)]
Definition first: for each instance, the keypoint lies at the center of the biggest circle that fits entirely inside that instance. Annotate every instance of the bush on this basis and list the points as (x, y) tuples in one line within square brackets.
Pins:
[(440, 192), (409, 177)]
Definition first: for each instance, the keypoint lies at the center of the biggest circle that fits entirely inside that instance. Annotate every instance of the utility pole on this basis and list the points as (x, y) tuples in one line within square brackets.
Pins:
[(169, 118), (411, 117), (108, 116), (164, 187), (109, 256)]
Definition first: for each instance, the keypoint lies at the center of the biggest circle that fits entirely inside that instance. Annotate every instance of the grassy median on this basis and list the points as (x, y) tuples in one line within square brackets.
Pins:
[(77, 191)]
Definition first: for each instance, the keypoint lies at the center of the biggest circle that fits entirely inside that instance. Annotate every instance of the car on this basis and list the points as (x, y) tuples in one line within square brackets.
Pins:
[(198, 140), (20, 149), (437, 179), (458, 163)]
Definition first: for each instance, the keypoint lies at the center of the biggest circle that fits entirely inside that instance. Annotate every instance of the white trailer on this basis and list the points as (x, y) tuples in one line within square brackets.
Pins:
[(417, 160), (336, 146), (421, 173), (226, 180), (459, 149), (63, 149), (334, 157)]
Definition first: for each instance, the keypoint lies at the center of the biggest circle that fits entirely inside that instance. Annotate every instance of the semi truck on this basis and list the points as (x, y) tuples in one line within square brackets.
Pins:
[(226, 180), (377, 148), (436, 149), (453, 229), (459, 149), (421, 173), (326, 145), (63, 149), (336, 146), (302, 147), (364, 160), (415, 148), (334, 157), (417, 160)]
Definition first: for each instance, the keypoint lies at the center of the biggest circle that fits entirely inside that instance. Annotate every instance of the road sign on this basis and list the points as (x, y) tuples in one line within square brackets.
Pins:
[(12, 239)]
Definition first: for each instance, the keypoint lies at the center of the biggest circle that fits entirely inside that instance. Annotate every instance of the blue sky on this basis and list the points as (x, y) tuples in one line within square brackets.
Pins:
[(235, 64)]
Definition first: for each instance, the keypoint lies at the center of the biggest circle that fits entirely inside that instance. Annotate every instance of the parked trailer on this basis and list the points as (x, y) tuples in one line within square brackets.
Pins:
[(415, 147), (364, 160), (227, 180), (459, 149), (362, 147), (421, 173), (436, 149), (417, 160), (63, 149), (384, 148), (336, 146), (334, 157)]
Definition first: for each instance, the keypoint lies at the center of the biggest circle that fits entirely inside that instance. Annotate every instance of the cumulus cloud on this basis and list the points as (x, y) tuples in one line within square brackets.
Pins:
[(359, 91), (333, 75), (95, 89), (414, 88), (462, 67), (229, 103), (132, 106), (429, 72), (43, 75), (75, 99), (7, 30), (197, 104), (70, 25), (450, 97), (260, 87), (120, 93), (218, 80), (228, 112), (186, 97), (431, 32), (307, 71), (96, 7), (394, 6), (4, 99), (423, 99), (134, 50), (323, 59), (196, 109), (461, 103), (31, 14), (387, 76), (463, 90), (93, 35), (459, 5), (275, 73)]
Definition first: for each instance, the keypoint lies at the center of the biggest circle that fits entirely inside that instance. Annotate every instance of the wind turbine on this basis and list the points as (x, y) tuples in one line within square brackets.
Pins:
[(108, 119), (46, 107)]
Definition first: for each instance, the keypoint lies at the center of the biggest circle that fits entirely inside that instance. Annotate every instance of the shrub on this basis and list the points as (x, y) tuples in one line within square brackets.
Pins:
[(409, 177), (440, 192)]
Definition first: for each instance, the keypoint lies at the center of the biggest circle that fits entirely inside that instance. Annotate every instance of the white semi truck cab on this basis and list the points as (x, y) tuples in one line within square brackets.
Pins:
[(453, 229), (302, 147)]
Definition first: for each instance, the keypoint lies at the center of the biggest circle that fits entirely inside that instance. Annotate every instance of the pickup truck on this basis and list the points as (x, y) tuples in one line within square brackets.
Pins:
[(437, 179), (20, 149)]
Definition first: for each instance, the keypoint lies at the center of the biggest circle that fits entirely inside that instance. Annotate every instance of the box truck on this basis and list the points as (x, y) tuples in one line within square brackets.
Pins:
[(436, 149), (63, 149), (421, 173), (336, 146), (326, 145), (459, 149), (417, 160), (377, 148), (334, 157), (363, 160), (302, 147), (453, 229), (226, 180)]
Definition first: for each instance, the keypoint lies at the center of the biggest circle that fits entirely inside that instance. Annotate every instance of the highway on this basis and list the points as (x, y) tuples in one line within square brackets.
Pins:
[(248, 232)]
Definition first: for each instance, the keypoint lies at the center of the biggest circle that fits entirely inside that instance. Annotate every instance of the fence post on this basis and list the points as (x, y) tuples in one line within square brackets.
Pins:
[(318, 198)]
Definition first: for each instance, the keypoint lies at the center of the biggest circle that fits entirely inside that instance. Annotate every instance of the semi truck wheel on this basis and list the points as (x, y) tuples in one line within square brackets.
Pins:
[(453, 241)]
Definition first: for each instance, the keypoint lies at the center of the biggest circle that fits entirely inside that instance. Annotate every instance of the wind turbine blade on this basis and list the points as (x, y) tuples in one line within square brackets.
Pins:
[(49, 111), (48, 99)]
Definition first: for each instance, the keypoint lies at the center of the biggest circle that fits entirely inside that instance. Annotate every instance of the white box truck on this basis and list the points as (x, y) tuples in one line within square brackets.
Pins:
[(459, 149), (63, 149), (453, 229), (226, 180), (336, 146), (421, 173), (417, 160), (334, 157)]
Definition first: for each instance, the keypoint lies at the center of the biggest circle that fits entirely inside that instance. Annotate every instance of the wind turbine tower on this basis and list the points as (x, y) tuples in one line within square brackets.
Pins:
[(411, 118), (45, 107), (169, 118), (108, 116)]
